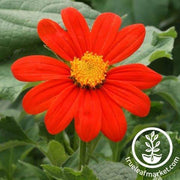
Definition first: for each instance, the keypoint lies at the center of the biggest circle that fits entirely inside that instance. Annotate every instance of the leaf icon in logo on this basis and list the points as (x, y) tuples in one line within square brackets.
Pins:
[(147, 137), (156, 150), (157, 144), (148, 150), (152, 134), (147, 144), (152, 158), (155, 137)]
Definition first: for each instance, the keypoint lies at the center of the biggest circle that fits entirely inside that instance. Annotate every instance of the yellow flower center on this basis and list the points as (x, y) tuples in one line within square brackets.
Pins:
[(89, 71)]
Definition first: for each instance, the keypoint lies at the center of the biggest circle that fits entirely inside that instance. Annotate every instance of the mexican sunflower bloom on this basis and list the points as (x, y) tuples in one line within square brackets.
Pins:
[(89, 89)]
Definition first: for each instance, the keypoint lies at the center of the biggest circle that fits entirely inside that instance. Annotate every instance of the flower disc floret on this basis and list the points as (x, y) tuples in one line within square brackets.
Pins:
[(89, 71)]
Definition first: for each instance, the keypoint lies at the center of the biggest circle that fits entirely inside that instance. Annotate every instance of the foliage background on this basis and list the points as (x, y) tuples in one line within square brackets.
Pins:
[(27, 151)]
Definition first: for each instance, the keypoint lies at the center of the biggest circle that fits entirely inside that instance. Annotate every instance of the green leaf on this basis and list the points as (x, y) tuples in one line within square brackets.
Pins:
[(9, 161), (56, 153), (11, 134), (10, 88), (73, 160), (68, 173), (140, 11), (53, 171), (19, 20), (169, 90), (10, 130), (113, 171), (7, 109), (32, 171), (11, 144), (84, 174), (157, 44)]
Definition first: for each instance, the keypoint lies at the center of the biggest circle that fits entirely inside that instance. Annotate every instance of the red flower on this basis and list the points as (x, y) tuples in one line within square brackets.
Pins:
[(89, 90)]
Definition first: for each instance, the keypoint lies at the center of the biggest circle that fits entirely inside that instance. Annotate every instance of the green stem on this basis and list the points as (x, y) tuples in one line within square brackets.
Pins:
[(91, 148), (82, 155), (116, 152), (67, 143), (75, 141), (119, 146)]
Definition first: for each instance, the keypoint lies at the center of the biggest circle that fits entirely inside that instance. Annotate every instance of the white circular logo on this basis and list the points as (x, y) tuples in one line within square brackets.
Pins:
[(152, 157)]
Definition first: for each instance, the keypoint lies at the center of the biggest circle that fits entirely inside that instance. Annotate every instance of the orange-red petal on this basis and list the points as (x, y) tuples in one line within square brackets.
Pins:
[(39, 98), (128, 97), (104, 32), (62, 110), (39, 68), (88, 118), (128, 40), (56, 39), (114, 124), (77, 28), (138, 75)]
